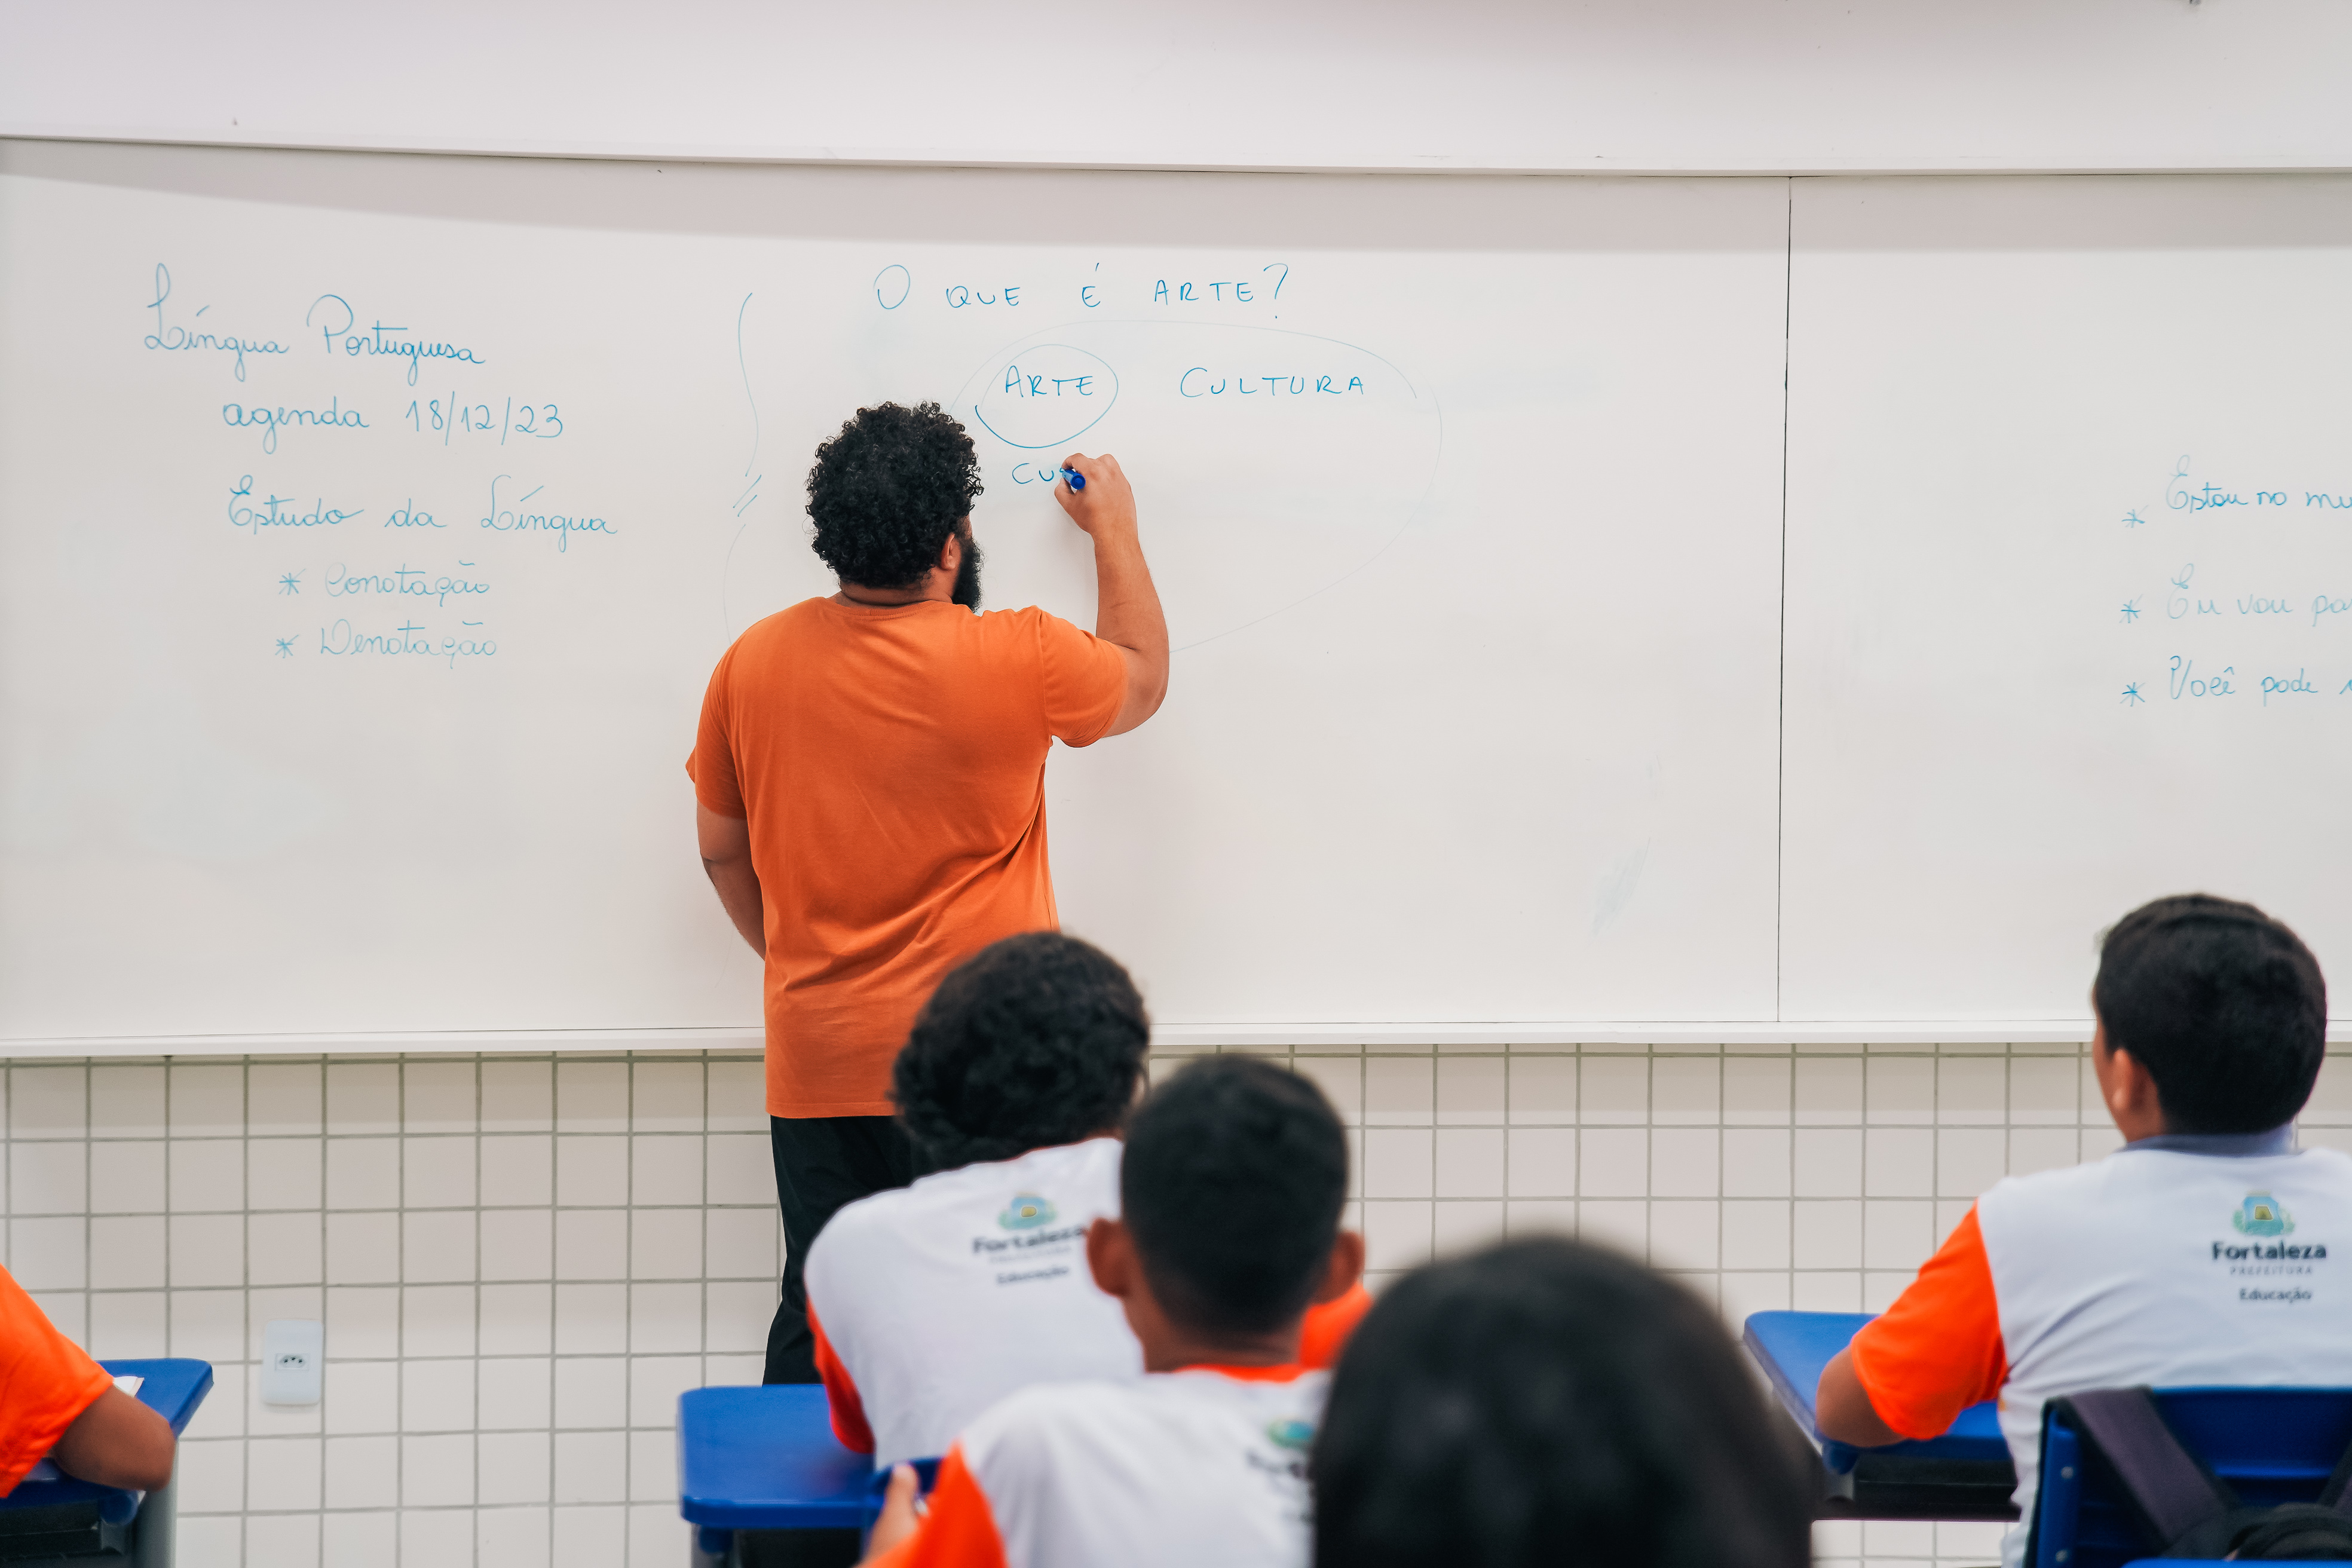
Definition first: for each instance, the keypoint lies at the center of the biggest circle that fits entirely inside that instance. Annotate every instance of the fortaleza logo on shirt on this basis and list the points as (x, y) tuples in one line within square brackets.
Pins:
[(2262, 1214), (1293, 1435), (2263, 1219), (1026, 1211), (1030, 1218)]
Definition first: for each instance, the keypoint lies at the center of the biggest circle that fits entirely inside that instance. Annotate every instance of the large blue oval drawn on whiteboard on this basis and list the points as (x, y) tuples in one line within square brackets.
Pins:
[(1271, 466), (1046, 396)]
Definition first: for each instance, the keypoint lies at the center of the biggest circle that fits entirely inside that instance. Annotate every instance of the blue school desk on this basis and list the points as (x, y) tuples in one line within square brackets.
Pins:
[(67, 1519), (763, 1459), (1964, 1474)]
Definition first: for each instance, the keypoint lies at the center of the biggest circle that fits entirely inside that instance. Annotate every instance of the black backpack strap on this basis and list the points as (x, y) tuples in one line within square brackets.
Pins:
[(2332, 1495), (2168, 1489), (2292, 1531)]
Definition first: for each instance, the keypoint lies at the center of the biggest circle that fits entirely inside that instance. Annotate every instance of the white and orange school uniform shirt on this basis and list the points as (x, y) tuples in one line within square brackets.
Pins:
[(933, 1302), (2176, 1261), (1205, 1467)]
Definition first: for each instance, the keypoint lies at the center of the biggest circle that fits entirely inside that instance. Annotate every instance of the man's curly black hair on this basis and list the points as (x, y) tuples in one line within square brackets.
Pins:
[(1034, 1041), (887, 491)]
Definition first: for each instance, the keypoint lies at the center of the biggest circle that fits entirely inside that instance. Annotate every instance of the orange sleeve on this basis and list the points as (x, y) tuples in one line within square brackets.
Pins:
[(45, 1382), (960, 1530), (1938, 1349), (841, 1397), (1083, 679), (1329, 1326), (711, 765)]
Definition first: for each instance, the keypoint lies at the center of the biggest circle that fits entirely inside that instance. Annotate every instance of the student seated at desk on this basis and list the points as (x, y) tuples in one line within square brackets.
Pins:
[(931, 1302), (1235, 1175), (2208, 1250), (56, 1403), (1544, 1403)]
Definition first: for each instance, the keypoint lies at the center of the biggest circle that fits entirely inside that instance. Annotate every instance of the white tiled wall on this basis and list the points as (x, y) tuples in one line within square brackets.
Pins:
[(522, 1261), (520, 1264), (1767, 1178)]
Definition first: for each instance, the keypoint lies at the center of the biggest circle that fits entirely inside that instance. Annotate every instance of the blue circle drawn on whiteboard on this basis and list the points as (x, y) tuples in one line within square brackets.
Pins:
[(883, 283), (1047, 396)]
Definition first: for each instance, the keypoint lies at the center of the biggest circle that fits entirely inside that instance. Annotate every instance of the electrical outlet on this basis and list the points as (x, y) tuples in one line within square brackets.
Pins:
[(292, 1353)]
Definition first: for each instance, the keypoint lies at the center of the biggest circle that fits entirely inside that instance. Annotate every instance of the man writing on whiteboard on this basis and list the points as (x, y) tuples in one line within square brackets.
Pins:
[(869, 778)]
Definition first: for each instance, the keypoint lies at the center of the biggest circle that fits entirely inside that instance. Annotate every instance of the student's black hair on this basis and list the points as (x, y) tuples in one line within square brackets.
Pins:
[(1034, 1041), (888, 491), (2222, 1005), (1545, 1403), (1232, 1185)]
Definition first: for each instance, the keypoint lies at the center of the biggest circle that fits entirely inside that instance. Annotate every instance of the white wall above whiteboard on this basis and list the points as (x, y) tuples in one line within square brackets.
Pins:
[(1565, 87)]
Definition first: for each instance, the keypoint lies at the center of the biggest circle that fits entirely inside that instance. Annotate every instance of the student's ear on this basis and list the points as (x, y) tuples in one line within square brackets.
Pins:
[(951, 553), (2127, 1087), (1110, 1254), (1345, 1266)]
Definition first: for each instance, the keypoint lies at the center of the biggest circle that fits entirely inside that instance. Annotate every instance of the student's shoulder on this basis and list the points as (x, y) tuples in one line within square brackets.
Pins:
[(875, 1211), (1092, 1157), (1207, 1388), (892, 1209), (2061, 1196), (2325, 1171), (2052, 1186), (894, 1215), (1167, 1421), (1087, 1173), (2332, 1164), (1033, 1426), (878, 1220), (2025, 1210)]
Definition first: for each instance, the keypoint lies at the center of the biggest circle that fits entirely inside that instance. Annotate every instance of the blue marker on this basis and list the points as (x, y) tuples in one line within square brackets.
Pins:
[(1075, 479)]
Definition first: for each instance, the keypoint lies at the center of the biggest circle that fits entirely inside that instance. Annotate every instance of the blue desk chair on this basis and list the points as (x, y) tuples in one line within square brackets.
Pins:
[(2271, 1445), (763, 1459), (1964, 1474), (51, 1516)]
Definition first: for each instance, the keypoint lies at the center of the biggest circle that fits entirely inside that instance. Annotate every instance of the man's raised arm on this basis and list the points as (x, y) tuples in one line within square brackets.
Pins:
[(1127, 608)]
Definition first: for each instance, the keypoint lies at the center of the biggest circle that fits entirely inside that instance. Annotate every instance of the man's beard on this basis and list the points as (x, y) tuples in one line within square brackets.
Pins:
[(967, 583)]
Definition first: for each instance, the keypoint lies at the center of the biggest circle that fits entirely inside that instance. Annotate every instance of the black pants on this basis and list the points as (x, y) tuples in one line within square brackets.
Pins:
[(822, 1163)]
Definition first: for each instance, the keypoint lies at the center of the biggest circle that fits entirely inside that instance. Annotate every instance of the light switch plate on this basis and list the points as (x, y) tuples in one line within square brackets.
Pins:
[(292, 1353)]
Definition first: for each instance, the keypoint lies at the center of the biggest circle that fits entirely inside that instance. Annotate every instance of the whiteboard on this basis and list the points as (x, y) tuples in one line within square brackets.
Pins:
[(345, 689), (1577, 86), (2069, 578)]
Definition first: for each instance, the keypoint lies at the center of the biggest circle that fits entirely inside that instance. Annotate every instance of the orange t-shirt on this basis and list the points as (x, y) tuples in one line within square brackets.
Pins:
[(890, 761), (1327, 1328), (1938, 1349), (45, 1381)]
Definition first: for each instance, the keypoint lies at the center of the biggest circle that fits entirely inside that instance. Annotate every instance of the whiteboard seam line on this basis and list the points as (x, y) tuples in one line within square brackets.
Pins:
[(1781, 675)]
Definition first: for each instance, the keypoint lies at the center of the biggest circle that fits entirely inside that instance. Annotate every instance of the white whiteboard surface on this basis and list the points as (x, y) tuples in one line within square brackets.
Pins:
[(1579, 86), (2027, 660), (1472, 716)]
